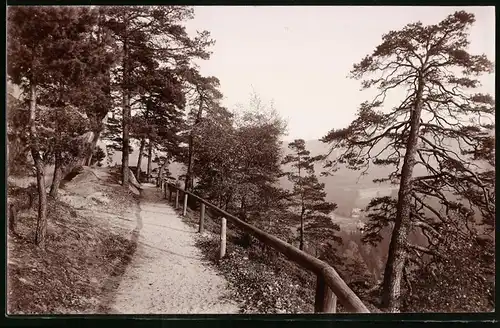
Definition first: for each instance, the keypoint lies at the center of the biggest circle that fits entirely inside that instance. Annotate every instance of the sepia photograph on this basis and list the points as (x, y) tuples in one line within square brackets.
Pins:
[(171, 160)]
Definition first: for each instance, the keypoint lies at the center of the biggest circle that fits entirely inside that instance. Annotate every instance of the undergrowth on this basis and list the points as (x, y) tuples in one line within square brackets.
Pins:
[(79, 262), (264, 281)]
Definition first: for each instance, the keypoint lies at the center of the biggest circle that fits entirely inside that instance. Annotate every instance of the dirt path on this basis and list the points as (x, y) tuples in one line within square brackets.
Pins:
[(167, 273)]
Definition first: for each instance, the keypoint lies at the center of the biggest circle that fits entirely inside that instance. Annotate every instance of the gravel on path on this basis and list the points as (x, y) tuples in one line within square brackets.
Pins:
[(167, 274)]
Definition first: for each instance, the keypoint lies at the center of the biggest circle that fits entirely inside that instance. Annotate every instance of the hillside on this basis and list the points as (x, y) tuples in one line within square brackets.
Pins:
[(348, 188), (87, 245)]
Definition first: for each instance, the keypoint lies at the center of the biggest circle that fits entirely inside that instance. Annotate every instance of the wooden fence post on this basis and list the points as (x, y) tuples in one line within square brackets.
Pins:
[(184, 209), (169, 195), (202, 217), (222, 238), (325, 300), (165, 190)]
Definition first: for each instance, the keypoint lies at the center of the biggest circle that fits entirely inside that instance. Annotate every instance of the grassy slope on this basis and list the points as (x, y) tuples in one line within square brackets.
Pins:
[(82, 258)]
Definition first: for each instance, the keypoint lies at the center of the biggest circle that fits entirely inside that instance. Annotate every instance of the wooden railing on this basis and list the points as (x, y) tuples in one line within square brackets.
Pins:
[(329, 285)]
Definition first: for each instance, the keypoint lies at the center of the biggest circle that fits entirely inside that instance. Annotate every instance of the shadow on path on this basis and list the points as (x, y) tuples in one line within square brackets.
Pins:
[(170, 252), (170, 228), (111, 284), (156, 212)]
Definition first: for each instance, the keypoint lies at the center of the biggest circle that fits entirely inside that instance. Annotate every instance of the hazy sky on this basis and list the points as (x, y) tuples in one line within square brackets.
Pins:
[(300, 57)]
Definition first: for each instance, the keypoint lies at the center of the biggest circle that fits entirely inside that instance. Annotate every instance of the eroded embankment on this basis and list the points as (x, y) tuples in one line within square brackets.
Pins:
[(87, 247)]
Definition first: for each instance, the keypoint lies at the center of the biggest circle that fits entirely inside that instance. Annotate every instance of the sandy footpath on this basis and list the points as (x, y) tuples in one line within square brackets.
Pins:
[(167, 274)]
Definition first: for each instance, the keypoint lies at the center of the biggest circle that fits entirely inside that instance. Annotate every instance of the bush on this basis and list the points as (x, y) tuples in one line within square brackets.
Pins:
[(98, 156)]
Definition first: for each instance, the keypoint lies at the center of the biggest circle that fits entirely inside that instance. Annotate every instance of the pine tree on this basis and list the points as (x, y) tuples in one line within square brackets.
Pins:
[(77, 95), (36, 36), (98, 155), (205, 97), (432, 64), (308, 196), (160, 117), (150, 30)]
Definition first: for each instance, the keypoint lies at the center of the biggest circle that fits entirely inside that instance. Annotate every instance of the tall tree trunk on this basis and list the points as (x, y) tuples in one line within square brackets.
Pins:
[(188, 185), (41, 225), (150, 155), (143, 144), (139, 160), (243, 212), (303, 206), (126, 116), (396, 259), (58, 175), (12, 218), (99, 120), (228, 201), (161, 169), (301, 246)]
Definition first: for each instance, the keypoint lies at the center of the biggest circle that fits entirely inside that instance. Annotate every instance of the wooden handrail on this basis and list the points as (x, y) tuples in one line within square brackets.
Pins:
[(325, 273)]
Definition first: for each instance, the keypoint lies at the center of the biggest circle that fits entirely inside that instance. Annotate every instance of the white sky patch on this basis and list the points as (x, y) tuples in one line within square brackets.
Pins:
[(300, 57)]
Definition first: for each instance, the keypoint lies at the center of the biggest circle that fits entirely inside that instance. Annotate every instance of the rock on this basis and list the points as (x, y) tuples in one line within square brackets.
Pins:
[(133, 180), (86, 137)]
